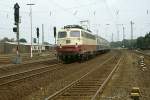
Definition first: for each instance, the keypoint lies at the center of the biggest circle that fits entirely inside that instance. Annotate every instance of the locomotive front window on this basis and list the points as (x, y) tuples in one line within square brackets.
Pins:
[(62, 34), (75, 34)]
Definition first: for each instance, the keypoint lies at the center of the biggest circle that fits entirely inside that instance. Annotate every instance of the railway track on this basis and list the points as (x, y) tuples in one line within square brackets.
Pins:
[(89, 85), (13, 78), (141, 53), (7, 59), (128, 75), (38, 61), (143, 74), (4, 60)]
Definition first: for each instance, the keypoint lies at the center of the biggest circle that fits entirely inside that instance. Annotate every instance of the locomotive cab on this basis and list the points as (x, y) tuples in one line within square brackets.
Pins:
[(69, 41)]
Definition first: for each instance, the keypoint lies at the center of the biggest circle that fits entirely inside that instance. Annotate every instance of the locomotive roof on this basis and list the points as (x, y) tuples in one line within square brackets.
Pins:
[(76, 26)]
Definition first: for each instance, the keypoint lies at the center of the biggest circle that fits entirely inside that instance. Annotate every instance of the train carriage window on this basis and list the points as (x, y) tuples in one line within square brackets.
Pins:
[(75, 34), (87, 35), (83, 34), (62, 34)]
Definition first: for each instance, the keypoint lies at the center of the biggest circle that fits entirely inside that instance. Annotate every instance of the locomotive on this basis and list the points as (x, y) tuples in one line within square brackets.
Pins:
[(77, 43)]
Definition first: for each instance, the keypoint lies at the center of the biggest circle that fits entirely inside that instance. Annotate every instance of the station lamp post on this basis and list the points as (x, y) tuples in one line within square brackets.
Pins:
[(123, 42), (31, 4)]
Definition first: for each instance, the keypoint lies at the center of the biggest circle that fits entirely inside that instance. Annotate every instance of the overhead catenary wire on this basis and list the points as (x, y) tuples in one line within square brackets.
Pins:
[(64, 9), (73, 11), (114, 20)]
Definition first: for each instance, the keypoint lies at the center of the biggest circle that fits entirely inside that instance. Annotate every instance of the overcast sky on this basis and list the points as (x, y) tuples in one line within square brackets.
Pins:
[(58, 13)]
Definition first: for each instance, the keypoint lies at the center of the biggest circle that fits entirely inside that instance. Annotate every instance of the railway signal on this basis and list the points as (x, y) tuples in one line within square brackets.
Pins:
[(55, 34), (16, 19), (16, 29), (16, 13), (38, 35), (37, 31)]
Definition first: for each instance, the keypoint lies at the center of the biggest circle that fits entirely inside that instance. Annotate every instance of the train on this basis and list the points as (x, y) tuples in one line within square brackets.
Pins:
[(77, 43)]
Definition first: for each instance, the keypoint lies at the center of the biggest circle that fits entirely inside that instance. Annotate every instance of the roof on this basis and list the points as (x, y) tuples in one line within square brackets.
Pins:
[(15, 43), (76, 26)]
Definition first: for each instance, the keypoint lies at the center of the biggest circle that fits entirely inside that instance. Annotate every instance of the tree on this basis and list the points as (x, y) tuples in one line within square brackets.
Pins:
[(140, 43), (127, 43), (147, 40), (116, 44), (5, 39), (144, 42), (23, 40), (12, 40)]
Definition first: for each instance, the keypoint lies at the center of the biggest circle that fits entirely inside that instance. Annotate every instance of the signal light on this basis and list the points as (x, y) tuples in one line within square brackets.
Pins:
[(16, 13), (37, 31), (15, 29), (55, 32), (76, 45)]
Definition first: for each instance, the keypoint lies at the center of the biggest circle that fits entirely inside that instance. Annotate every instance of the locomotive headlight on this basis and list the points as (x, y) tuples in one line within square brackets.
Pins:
[(60, 46), (76, 45)]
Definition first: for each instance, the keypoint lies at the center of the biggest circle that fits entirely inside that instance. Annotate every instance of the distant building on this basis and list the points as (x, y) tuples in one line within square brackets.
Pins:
[(10, 47)]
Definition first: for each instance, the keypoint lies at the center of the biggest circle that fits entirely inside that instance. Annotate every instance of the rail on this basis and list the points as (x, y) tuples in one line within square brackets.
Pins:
[(81, 78), (26, 72), (106, 81)]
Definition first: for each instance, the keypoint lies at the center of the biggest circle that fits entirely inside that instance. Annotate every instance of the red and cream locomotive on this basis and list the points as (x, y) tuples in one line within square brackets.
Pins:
[(76, 43)]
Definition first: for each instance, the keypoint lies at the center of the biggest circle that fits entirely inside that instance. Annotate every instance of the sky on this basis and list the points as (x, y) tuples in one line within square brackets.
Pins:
[(105, 17)]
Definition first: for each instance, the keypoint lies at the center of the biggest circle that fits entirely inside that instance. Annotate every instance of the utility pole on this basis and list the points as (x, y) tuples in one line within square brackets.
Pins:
[(123, 36), (112, 39), (117, 32), (107, 31), (131, 34), (98, 29), (42, 37), (42, 34), (31, 27), (117, 24)]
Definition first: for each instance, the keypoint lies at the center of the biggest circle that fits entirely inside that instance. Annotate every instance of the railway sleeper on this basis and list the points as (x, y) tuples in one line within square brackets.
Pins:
[(74, 97), (90, 81), (89, 85), (77, 93), (83, 90), (85, 87), (97, 80)]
